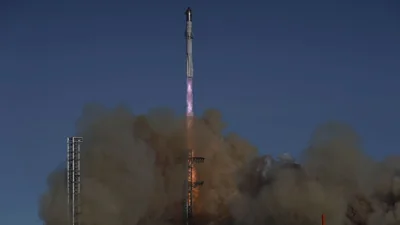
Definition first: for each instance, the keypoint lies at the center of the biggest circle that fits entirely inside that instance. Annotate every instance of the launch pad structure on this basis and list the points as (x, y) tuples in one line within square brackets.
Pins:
[(190, 185), (74, 179)]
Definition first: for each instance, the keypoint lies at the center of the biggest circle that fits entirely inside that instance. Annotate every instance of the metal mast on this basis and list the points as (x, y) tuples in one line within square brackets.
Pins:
[(74, 178), (192, 181), (191, 184)]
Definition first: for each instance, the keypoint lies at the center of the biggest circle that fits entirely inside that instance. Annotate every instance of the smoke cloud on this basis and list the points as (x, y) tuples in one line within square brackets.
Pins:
[(133, 171)]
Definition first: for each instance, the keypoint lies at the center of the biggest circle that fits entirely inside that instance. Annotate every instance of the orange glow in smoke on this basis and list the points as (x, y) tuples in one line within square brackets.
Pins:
[(195, 190)]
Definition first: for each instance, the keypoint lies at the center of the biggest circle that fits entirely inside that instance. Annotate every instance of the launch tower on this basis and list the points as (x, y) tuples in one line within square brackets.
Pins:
[(192, 181), (191, 184), (74, 178)]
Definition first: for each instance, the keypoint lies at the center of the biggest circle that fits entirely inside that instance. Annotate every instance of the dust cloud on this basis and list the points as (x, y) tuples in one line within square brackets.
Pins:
[(133, 171)]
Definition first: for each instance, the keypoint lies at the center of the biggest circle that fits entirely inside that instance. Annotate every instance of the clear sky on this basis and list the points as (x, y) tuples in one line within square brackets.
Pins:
[(275, 71)]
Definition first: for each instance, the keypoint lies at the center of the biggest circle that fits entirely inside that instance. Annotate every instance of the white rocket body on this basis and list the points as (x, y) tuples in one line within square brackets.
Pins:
[(189, 38)]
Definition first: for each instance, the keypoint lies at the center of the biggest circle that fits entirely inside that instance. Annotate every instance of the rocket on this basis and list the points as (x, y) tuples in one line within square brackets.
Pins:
[(189, 38)]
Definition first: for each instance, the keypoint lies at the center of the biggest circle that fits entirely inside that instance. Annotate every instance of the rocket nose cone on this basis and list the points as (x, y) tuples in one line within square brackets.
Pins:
[(188, 14)]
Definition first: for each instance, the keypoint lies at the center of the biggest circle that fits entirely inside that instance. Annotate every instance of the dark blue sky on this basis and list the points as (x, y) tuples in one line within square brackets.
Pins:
[(275, 71)]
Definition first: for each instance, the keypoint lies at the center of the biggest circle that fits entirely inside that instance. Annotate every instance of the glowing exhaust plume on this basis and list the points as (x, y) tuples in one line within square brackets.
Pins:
[(189, 101)]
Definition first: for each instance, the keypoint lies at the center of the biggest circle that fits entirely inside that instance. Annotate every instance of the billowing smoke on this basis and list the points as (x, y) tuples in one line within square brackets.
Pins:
[(133, 171)]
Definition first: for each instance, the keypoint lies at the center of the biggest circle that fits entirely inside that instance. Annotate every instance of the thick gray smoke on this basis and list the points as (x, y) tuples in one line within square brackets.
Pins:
[(133, 172)]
